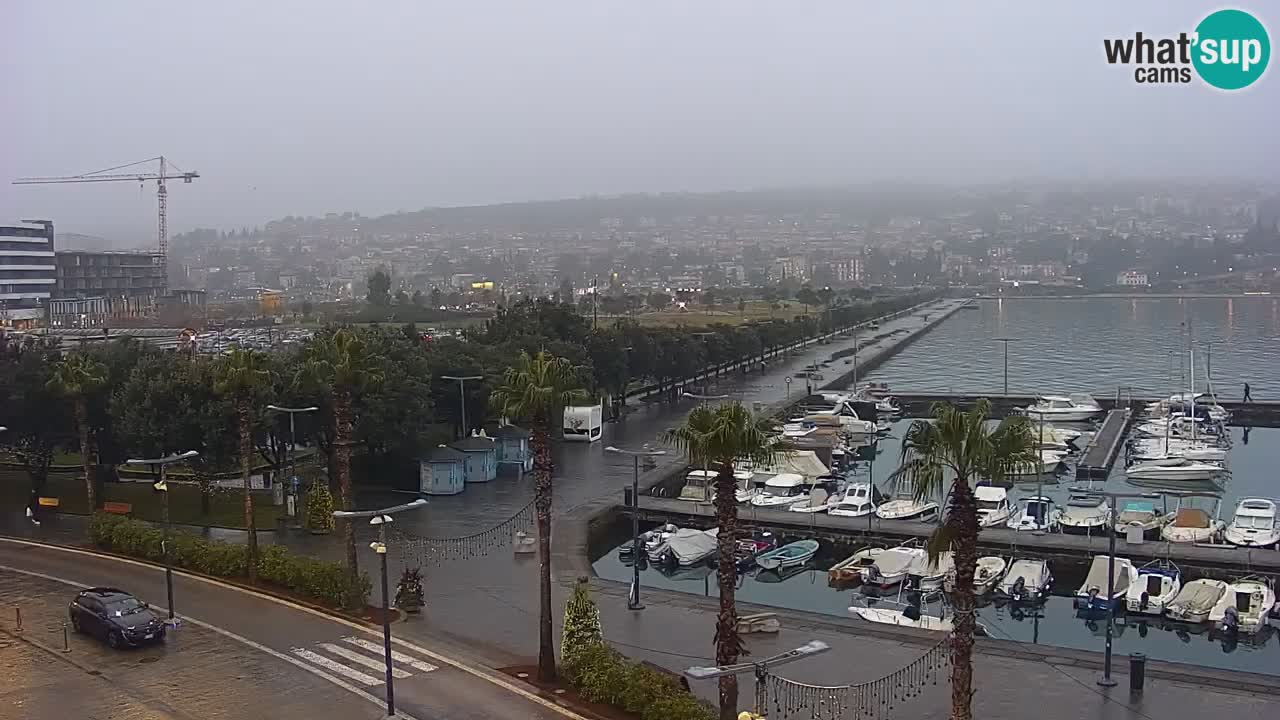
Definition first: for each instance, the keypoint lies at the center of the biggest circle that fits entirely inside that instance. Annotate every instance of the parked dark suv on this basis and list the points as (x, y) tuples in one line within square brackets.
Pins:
[(115, 616)]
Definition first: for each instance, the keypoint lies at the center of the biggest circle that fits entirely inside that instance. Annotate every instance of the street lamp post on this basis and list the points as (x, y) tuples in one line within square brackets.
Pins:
[(291, 505), (381, 519), (462, 395), (760, 669), (1006, 341), (163, 488), (633, 598)]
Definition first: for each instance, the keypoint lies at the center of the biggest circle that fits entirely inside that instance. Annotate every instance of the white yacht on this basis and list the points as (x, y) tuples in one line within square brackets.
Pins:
[(1038, 514), (903, 614), (1175, 468), (905, 506), (860, 500), (994, 508), (781, 491), (891, 566), (821, 499), (699, 486), (1027, 580), (1156, 449), (1085, 514), (1254, 524), (1192, 525), (1064, 408), (1051, 437), (1196, 600), (1158, 584), (1244, 606), (1049, 463), (1142, 515), (749, 484), (1092, 595)]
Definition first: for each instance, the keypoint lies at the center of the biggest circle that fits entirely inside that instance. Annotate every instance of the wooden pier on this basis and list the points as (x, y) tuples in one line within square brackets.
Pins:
[(1100, 454), (1211, 558)]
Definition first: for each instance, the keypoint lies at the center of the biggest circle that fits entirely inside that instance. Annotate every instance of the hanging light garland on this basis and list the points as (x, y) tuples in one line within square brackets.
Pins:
[(875, 699), (420, 551)]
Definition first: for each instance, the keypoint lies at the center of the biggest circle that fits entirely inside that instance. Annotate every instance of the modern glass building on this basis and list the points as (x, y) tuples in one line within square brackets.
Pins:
[(27, 273)]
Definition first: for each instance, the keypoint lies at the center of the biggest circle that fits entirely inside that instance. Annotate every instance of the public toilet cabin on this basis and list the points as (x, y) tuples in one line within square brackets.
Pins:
[(481, 458), (441, 472), (513, 448)]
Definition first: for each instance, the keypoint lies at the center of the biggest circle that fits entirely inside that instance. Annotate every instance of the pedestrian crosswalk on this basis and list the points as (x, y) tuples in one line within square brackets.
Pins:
[(360, 660)]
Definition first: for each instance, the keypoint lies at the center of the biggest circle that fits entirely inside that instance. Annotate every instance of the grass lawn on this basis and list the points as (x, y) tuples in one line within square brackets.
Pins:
[(226, 506)]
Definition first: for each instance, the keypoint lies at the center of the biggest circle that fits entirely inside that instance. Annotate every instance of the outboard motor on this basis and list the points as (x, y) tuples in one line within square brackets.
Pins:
[(1231, 621), (1019, 590), (1144, 601)]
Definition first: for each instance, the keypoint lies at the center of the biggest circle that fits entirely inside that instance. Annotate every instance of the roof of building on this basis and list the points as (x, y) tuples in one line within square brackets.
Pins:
[(444, 453), (475, 443)]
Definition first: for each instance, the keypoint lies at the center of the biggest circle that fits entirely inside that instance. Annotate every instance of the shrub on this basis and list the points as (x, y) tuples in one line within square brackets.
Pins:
[(320, 507), (409, 592), (602, 675), (327, 582), (581, 623)]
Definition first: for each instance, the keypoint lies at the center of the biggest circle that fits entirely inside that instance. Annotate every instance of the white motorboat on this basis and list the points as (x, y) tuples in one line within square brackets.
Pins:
[(1192, 525), (656, 545), (932, 574), (749, 484), (1254, 524), (1155, 449), (1175, 468), (1092, 595), (1179, 427), (782, 490), (1158, 584), (691, 547), (860, 500), (1064, 408), (1050, 461), (1244, 606), (1038, 514), (699, 486), (853, 568), (986, 573), (907, 507), (1051, 437), (994, 508), (901, 617), (1027, 580), (1196, 600), (891, 566), (1085, 514), (820, 500), (1139, 514)]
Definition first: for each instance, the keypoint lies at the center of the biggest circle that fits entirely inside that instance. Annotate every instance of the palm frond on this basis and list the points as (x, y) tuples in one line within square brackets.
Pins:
[(940, 541)]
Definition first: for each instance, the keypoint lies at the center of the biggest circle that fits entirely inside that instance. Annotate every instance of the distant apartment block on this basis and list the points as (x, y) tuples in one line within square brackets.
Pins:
[(1132, 278), (94, 288), (26, 273)]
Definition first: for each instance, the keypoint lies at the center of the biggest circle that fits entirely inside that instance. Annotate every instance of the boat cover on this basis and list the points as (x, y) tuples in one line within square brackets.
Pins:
[(1191, 518), (800, 462), (1197, 597), (1031, 572), (921, 565), (690, 545), (896, 561), (1097, 577), (817, 498)]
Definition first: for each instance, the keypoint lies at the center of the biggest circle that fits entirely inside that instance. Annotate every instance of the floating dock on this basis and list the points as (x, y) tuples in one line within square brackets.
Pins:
[(1100, 454), (1213, 558)]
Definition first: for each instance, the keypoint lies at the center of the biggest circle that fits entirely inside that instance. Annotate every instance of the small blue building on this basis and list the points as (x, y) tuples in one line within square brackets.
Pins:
[(442, 471), (513, 448), (481, 458)]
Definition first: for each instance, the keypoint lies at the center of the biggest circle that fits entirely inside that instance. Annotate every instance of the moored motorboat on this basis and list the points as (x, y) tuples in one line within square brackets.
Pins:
[(850, 571), (891, 566), (1192, 525), (1049, 462), (1196, 600), (746, 550), (1158, 584), (1244, 606), (931, 573), (1064, 408), (782, 490), (789, 555), (1141, 515), (994, 508), (1092, 594), (1254, 524), (1086, 513), (688, 547), (905, 506), (1038, 514), (656, 545), (1027, 580), (1173, 468), (988, 571)]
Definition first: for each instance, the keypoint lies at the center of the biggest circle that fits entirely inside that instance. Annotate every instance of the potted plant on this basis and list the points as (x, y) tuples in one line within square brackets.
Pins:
[(409, 592), (319, 509)]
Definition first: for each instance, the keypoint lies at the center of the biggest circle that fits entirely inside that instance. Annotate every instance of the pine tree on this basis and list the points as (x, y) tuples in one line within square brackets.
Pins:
[(581, 623)]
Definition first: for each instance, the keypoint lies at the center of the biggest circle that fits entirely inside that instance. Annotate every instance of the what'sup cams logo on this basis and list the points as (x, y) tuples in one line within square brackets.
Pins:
[(1229, 50)]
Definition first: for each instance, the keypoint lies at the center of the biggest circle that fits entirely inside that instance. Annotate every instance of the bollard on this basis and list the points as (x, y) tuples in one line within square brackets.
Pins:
[(18, 612), (1137, 672), (66, 639)]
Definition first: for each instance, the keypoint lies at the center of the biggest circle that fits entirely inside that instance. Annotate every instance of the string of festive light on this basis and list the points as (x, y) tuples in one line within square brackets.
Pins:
[(873, 699), (428, 551)]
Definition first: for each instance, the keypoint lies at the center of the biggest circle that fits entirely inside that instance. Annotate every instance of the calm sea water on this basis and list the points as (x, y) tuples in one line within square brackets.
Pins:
[(1096, 345)]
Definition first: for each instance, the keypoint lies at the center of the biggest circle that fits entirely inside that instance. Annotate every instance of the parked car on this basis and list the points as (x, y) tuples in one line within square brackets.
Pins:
[(115, 616)]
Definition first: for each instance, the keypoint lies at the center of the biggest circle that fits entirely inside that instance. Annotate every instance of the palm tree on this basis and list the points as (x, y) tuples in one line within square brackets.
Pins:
[(77, 376), (240, 376), (960, 448), (537, 389), (340, 366), (718, 438)]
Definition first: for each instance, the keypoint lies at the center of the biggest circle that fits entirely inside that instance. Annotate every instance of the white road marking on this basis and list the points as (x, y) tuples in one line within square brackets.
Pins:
[(355, 657), (380, 702), (399, 657), (336, 666)]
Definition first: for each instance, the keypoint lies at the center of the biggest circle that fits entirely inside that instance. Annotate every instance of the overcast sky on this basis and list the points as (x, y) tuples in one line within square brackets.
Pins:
[(315, 106)]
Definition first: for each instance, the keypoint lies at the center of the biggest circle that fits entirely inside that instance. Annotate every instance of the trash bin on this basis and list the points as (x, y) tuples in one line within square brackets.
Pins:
[(1137, 672), (626, 497)]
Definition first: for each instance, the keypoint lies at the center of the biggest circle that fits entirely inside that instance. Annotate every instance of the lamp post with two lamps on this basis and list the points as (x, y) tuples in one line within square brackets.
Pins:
[(292, 503), (633, 598), (381, 519), (163, 488)]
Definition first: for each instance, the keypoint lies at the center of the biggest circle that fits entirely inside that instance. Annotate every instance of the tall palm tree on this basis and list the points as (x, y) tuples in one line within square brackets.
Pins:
[(536, 389), (77, 376), (241, 376), (718, 438), (340, 366), (959, 448)]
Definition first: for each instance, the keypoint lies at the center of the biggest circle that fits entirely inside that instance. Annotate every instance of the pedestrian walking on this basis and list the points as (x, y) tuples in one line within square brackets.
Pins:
[(1248, 397)]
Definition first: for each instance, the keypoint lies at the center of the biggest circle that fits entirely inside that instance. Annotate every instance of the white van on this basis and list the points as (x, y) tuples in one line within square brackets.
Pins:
[(584, 423)]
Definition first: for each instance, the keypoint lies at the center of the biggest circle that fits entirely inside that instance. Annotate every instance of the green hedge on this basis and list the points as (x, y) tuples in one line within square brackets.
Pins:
[(604, 676), (327, 582)]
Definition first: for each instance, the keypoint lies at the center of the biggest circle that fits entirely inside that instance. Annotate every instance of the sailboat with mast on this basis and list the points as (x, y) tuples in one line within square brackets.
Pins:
[(1191, 460)]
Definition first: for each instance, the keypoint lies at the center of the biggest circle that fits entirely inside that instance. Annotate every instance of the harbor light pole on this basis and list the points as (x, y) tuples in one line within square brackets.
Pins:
[(381, 519), (462, 395), (1006, 341), (759, 668), (633, 598), (1106, 680), (293, 450), (163, 488)]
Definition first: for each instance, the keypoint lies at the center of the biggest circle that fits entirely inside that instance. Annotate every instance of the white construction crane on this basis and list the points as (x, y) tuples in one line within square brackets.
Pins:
[(167, 171)]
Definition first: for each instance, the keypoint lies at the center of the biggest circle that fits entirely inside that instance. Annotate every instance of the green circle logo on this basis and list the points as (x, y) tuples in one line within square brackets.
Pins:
[(1232, 49)]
